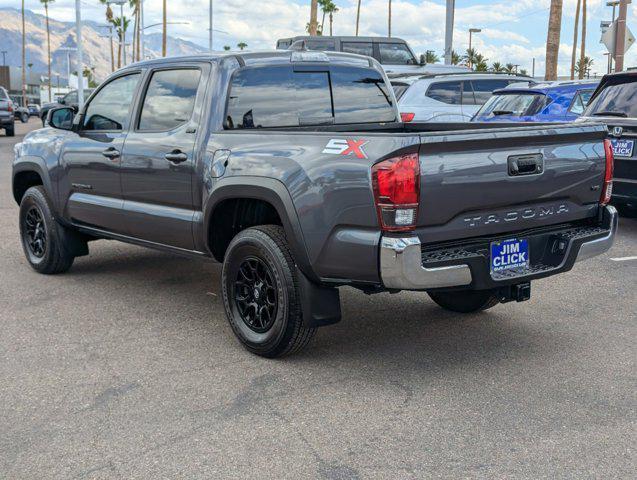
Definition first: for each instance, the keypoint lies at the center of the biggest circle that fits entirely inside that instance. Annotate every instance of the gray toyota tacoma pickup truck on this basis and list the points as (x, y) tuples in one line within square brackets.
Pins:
[(293, 169)]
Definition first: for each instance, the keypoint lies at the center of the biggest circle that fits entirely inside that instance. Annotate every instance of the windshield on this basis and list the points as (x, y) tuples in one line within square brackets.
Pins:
[(617, 99), (512, 104), (396, 54)]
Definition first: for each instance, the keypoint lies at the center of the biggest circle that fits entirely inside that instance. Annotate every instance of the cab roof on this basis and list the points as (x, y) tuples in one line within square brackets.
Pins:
[(270, 57)]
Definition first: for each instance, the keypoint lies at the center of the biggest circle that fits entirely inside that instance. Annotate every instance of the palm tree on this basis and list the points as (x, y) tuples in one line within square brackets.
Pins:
[(48, 39), (358, 15), (24, 59), (497, 67), (121, 25), (455, 58), (583, 66), (163, 29), (481, 63), (429, 57), (324, 5), (509, 68), (242, 45), (134, 4), (553, 40), (109, 19), (583, 47), (470, 57), (331, 10), (226, 47), (575, 31), (313, 25), (389, 19), (524, 72)]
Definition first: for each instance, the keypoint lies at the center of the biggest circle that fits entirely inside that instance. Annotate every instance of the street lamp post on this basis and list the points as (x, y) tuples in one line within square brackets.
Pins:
[(4, 57), (451, 6), (471, 32), (210, 26), (80, 62)]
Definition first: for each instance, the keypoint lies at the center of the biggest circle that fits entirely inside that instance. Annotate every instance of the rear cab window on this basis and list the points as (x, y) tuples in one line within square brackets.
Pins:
[(279, 96), (482, 89)]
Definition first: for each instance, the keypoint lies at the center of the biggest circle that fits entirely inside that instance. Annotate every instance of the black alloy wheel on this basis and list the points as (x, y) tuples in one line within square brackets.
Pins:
[(35, 231), (255, 294)]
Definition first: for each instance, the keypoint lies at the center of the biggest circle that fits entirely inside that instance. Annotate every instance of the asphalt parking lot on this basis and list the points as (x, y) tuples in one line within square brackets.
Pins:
[(125, 367)]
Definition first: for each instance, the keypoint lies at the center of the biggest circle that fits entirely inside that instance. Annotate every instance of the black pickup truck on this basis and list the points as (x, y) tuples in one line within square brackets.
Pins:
[(293, 169)]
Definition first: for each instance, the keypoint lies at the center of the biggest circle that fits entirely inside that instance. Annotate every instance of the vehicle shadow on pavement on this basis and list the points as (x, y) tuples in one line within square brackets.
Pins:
[(405, 331)]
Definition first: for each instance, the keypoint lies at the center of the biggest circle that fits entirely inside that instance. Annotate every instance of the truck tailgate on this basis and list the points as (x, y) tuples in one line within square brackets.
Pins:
[(492, 181)]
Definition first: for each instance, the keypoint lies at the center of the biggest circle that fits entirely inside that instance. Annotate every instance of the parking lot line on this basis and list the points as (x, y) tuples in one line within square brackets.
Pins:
[(623, 259)]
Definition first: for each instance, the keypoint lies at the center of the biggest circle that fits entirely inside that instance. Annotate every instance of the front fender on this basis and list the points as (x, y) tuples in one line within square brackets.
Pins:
[(271, 191), (31, 163)]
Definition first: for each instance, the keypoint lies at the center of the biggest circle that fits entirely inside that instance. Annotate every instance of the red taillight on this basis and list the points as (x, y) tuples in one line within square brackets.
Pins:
[(396, 183), (607, 188), (10, 107), (407, 117)]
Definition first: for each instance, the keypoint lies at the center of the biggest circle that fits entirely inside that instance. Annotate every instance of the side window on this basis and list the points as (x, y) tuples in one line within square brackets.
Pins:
[(110, 107), (169, 99), (580, 101), (359, 48), (446, 92), (70, 98), (483, 89), (395, 54), (325, 45), (468, 97)]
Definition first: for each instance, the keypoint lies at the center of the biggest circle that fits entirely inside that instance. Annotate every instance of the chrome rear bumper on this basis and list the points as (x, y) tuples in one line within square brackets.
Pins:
[(401, 265)]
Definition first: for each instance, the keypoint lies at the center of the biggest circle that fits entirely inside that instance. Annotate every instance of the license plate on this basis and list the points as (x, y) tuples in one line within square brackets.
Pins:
[(509, 254), (623, 148)]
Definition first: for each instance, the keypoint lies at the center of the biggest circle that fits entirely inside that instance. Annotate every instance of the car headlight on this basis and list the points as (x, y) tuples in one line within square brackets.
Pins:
[(17, 150)]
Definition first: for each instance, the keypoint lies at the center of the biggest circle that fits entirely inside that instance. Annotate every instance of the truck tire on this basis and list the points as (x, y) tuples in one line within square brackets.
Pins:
[(10, 130), (42, 235), (24, 117), (466, 301), (261, 293)]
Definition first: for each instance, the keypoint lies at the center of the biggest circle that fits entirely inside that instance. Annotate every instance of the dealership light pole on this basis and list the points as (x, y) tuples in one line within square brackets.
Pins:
[(80, 62), (210, 26), (4, 57), (472, 31), (451, 6)]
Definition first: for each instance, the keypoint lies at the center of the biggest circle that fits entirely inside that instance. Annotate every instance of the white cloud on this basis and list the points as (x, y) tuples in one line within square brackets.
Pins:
[(420, 22)]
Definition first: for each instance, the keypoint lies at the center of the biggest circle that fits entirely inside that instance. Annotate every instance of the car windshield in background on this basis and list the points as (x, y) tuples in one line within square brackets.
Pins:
[(615, 100), (280, 97), (512, 104), (395, 54)]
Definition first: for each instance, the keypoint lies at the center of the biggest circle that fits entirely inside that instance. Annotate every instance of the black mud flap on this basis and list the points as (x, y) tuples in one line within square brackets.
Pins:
[(321, 305)]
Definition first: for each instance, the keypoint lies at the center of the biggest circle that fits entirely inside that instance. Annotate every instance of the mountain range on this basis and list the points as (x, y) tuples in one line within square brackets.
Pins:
[(96, 47)]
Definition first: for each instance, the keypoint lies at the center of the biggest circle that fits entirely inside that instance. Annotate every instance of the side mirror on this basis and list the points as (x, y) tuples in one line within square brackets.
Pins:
[(61, 118)]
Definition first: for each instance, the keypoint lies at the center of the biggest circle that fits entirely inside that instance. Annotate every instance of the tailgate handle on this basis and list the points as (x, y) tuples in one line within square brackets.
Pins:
[(525, 164)]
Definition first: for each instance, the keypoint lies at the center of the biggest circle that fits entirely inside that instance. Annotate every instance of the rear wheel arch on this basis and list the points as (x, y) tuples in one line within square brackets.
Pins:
[(268, 200)]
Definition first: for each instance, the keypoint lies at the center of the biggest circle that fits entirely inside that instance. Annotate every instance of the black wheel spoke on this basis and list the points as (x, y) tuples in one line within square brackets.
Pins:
[(35, 231), (255, 294)]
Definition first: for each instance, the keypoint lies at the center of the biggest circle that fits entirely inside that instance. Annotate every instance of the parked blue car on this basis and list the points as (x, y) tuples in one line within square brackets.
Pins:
[(540, 102)]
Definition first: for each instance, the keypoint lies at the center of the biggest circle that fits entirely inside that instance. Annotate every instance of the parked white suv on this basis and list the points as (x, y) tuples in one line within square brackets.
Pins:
[(447, 98)]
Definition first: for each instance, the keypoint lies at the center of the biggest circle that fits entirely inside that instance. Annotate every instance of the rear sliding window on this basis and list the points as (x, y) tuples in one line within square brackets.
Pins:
[(280, 97)]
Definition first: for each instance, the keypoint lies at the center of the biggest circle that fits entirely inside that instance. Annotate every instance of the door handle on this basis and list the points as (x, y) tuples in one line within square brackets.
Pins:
[(176, 156), (111, 153)]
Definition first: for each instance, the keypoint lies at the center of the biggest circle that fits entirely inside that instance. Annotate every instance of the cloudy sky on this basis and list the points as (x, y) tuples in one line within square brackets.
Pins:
[(512, 30)]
